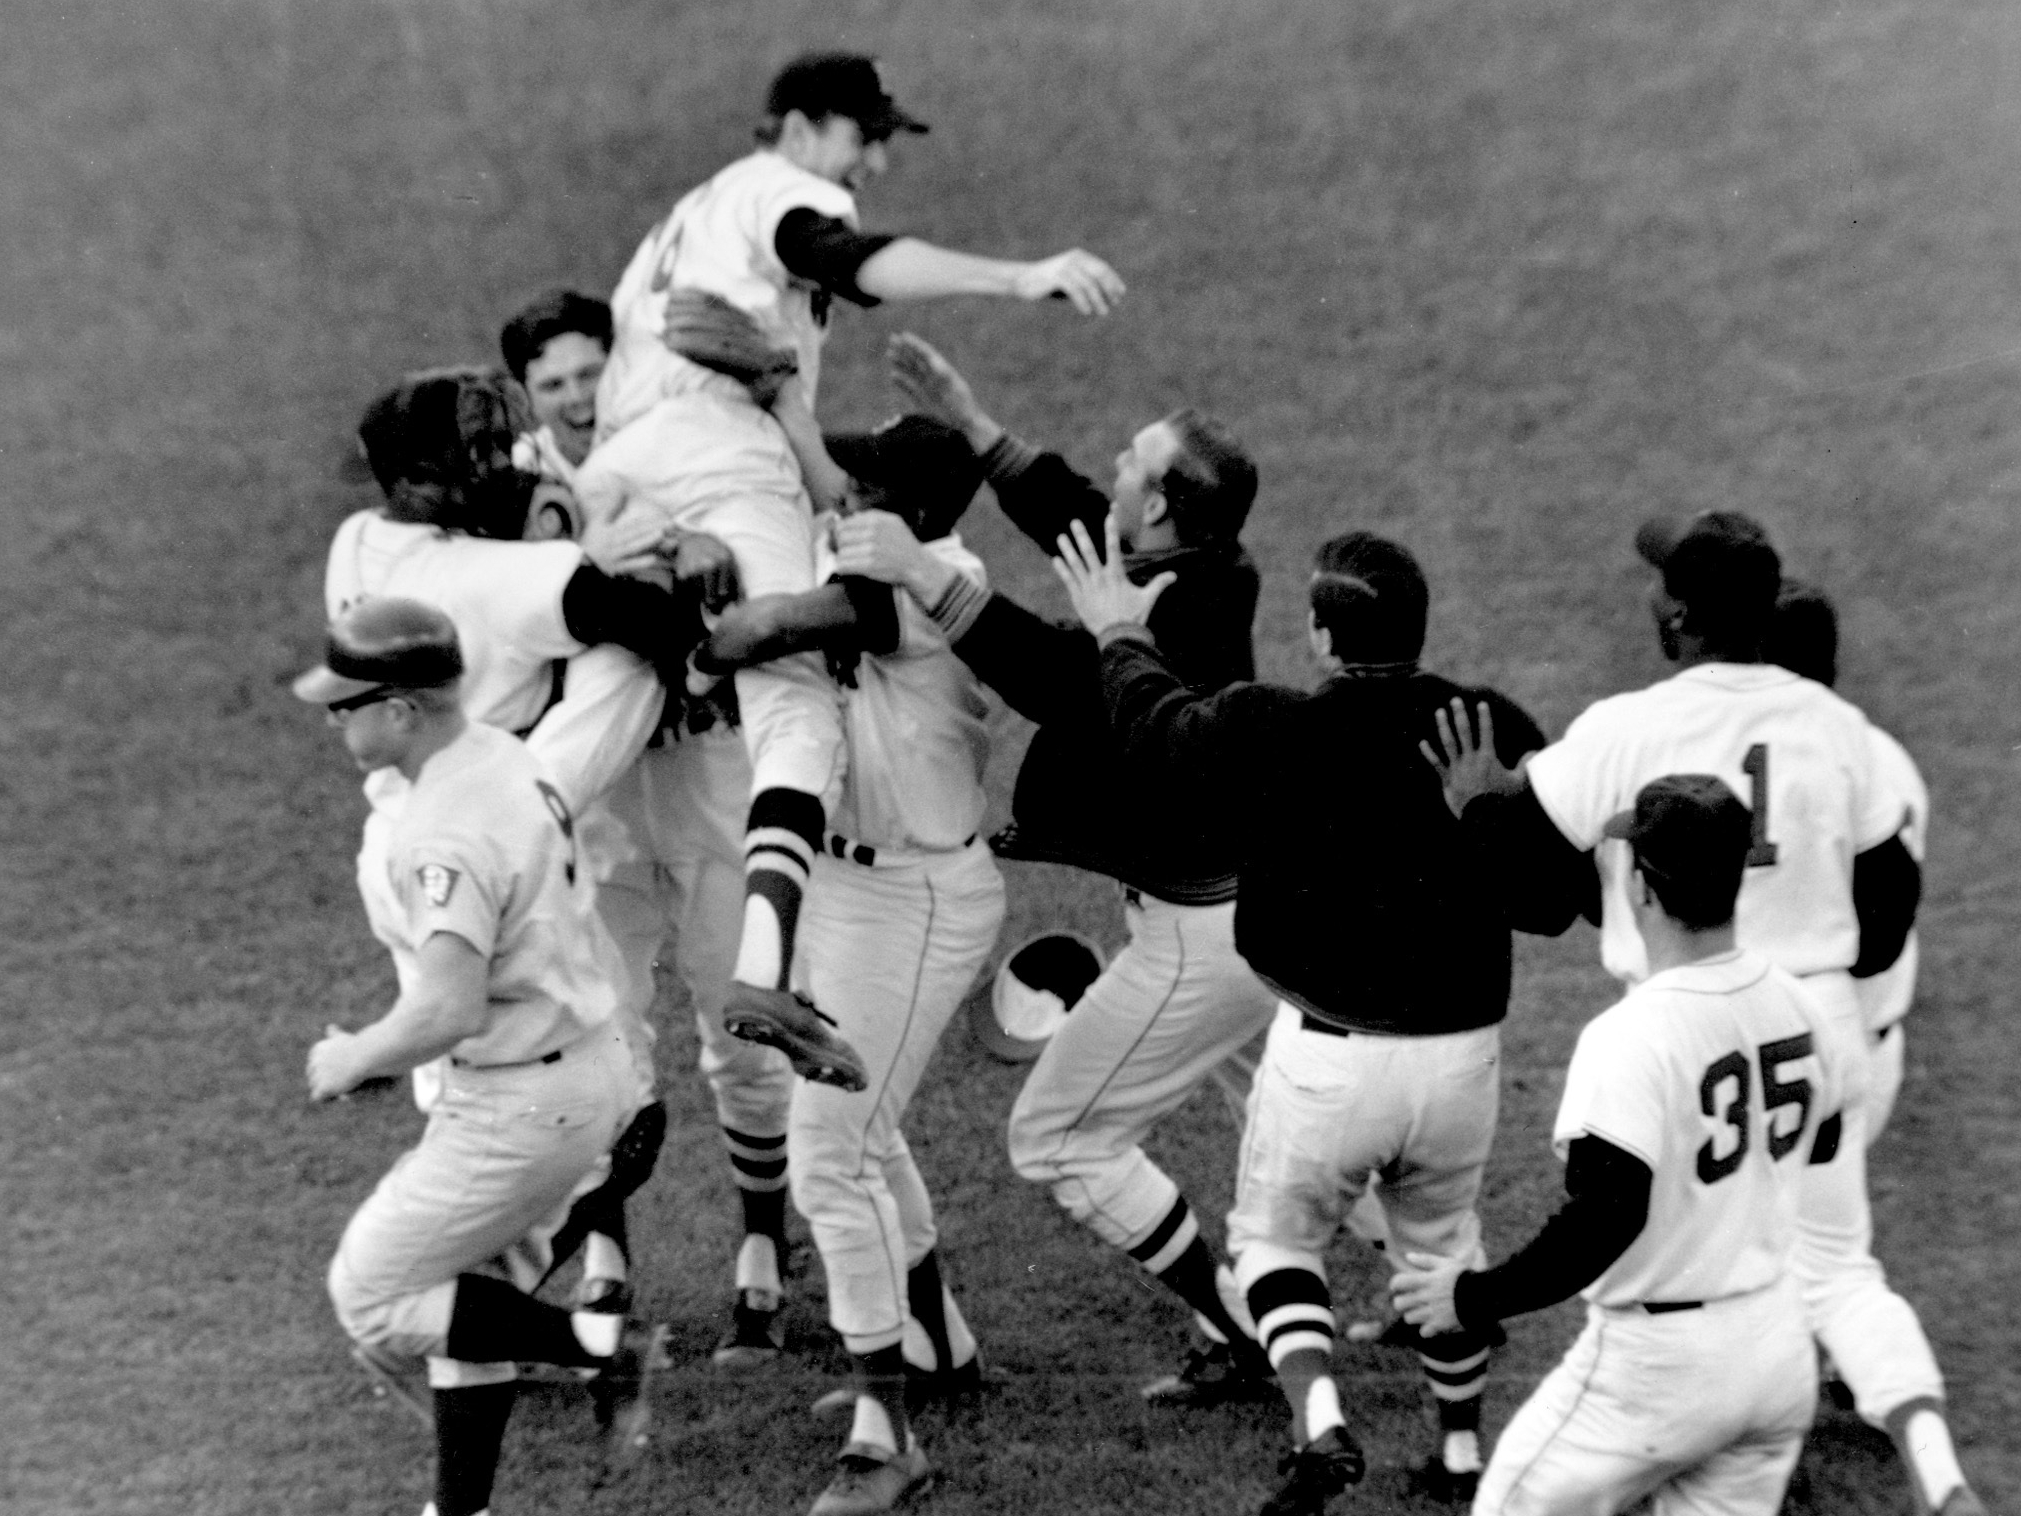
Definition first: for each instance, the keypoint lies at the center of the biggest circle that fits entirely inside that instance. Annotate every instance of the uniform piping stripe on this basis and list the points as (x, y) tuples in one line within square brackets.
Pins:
[(1543, 1447)]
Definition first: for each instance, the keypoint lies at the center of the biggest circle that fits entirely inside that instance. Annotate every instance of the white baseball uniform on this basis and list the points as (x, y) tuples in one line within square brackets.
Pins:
[(481, 845), (904, 910), (692, 443), (505, 599), (1804, 761), (1885, 998), (1695, 1379)]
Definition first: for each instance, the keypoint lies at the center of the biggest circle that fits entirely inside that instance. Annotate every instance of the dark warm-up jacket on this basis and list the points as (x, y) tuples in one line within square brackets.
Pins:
[(1361, 899), (1078, 800)]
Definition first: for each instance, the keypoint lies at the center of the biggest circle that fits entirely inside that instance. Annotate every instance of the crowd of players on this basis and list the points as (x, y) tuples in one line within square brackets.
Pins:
[(645, 668)]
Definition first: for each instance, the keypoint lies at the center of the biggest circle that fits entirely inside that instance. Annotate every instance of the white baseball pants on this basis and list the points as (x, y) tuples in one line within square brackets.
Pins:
[(889, 951), (1171, 1006), (504, 1153), (1702, 1411), (665, 845), (1325, 1113), (1871, 1332)]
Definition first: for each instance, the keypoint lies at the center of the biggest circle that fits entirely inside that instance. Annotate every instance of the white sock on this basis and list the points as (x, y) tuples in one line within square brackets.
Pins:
[(602, 1258), (597, 1331), (1322, 1407), (758, 1265), (1927, 1443), (759, 949), (872, 1425), (1462, 1453)]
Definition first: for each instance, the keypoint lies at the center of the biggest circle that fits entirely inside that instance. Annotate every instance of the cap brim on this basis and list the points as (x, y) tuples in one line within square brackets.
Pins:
[(893, 121), (1656, 539), (322, 687)]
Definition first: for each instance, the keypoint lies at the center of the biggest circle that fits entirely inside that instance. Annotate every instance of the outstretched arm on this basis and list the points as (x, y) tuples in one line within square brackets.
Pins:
[(909, 269), (844, 617)]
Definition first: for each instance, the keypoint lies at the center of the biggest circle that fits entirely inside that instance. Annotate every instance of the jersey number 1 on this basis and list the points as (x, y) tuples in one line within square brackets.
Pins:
[(1760, 851)]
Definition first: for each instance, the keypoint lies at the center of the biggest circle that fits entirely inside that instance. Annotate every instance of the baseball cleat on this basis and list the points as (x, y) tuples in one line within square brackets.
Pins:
[(1316, 1473), (1216, 1375), (757, 1333), (789, 1022), (618, 1393), (1447, 1486), (392, 1383), (872, 1479), (1962, 1502)]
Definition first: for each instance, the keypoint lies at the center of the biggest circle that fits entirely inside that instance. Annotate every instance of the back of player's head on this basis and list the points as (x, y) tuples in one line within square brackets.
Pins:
[(1211, 482), (1804, 637), (383, 644), (1371, 597), (1722, 569), (551, 314), (440, 444), (1690, 835), (916, 467), (820, 85)]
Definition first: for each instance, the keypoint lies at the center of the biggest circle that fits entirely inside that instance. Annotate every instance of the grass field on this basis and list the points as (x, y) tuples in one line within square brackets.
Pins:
[(1495, 278)]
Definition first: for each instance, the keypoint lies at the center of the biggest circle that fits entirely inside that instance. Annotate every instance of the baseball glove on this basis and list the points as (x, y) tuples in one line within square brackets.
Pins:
[(708, 330)]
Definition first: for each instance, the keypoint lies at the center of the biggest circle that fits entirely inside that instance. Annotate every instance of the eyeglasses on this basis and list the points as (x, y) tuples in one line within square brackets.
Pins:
[(339, 709)]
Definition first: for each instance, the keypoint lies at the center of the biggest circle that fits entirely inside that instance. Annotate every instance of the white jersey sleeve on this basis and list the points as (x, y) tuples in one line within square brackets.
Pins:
[(720, 238), (610, 705)]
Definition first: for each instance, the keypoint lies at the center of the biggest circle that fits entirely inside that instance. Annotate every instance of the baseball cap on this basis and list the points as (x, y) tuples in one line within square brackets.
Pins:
[(1688, 828), (1715, 558), (384, 644), (1035, 988), (926, 469), (840, 84), (1804, 637)]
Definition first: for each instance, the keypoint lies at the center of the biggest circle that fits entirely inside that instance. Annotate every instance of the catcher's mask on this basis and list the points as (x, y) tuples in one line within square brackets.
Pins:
[(440, 444), (1035, 988), (918, 468)]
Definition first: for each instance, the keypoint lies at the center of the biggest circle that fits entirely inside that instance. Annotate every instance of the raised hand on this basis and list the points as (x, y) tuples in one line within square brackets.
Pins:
[(1467, 765), (1075, 275), (1102, 593)]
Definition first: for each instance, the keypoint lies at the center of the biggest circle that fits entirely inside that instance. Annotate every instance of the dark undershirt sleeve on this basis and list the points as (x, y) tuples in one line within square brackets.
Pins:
[(1887, 888), (827, 252), (1546, 882), (661, 626), (1607, 1209)]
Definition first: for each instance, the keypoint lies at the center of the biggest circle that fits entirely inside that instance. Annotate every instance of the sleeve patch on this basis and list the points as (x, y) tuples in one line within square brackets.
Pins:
[(437, 883)]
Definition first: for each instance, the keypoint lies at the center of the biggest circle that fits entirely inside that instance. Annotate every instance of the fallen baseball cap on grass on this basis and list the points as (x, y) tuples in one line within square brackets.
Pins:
[(819, 85), (1035, 988), (1690, 828), (1716, 555), (384, 644)]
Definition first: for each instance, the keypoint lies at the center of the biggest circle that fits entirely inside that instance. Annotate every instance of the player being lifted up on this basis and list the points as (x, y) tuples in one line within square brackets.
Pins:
[(775, 234), (1365, 907), (1687, 1121), (1830, 894)]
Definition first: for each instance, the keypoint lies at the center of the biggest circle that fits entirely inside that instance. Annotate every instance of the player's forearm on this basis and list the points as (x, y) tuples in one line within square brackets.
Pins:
[(424, 1024), (910, 269), (1606, 1211), (847, 615), (827, 482), (1041, 493)]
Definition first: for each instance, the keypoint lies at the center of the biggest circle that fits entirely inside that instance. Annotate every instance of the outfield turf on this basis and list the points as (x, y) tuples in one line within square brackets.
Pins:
[(1497, 278)]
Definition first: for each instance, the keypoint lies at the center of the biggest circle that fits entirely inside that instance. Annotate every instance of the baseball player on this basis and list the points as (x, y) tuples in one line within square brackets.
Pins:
[(556, 346), (527, 614), (1830, 895), (1805, 640), (1365, 907), (469, 877), (905, 909), (1178, 998), (775, 235), (1689, 1113)]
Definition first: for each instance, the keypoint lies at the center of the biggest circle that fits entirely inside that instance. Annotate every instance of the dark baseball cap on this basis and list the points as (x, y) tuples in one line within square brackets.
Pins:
[(384, 644), (1717, 557), (1804, 637), (1688, 828), (840, 84), (925, 468)]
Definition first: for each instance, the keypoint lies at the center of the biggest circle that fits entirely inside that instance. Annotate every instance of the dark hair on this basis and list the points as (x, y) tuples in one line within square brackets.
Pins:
[(1211, 482), (1699, 903), (439, 443), (1371, 597), (549, 315), (1804, 637)]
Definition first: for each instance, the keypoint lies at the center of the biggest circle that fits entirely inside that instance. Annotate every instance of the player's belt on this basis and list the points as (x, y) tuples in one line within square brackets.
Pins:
[(1666, 1307), (524, 1063), (865, 854)]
